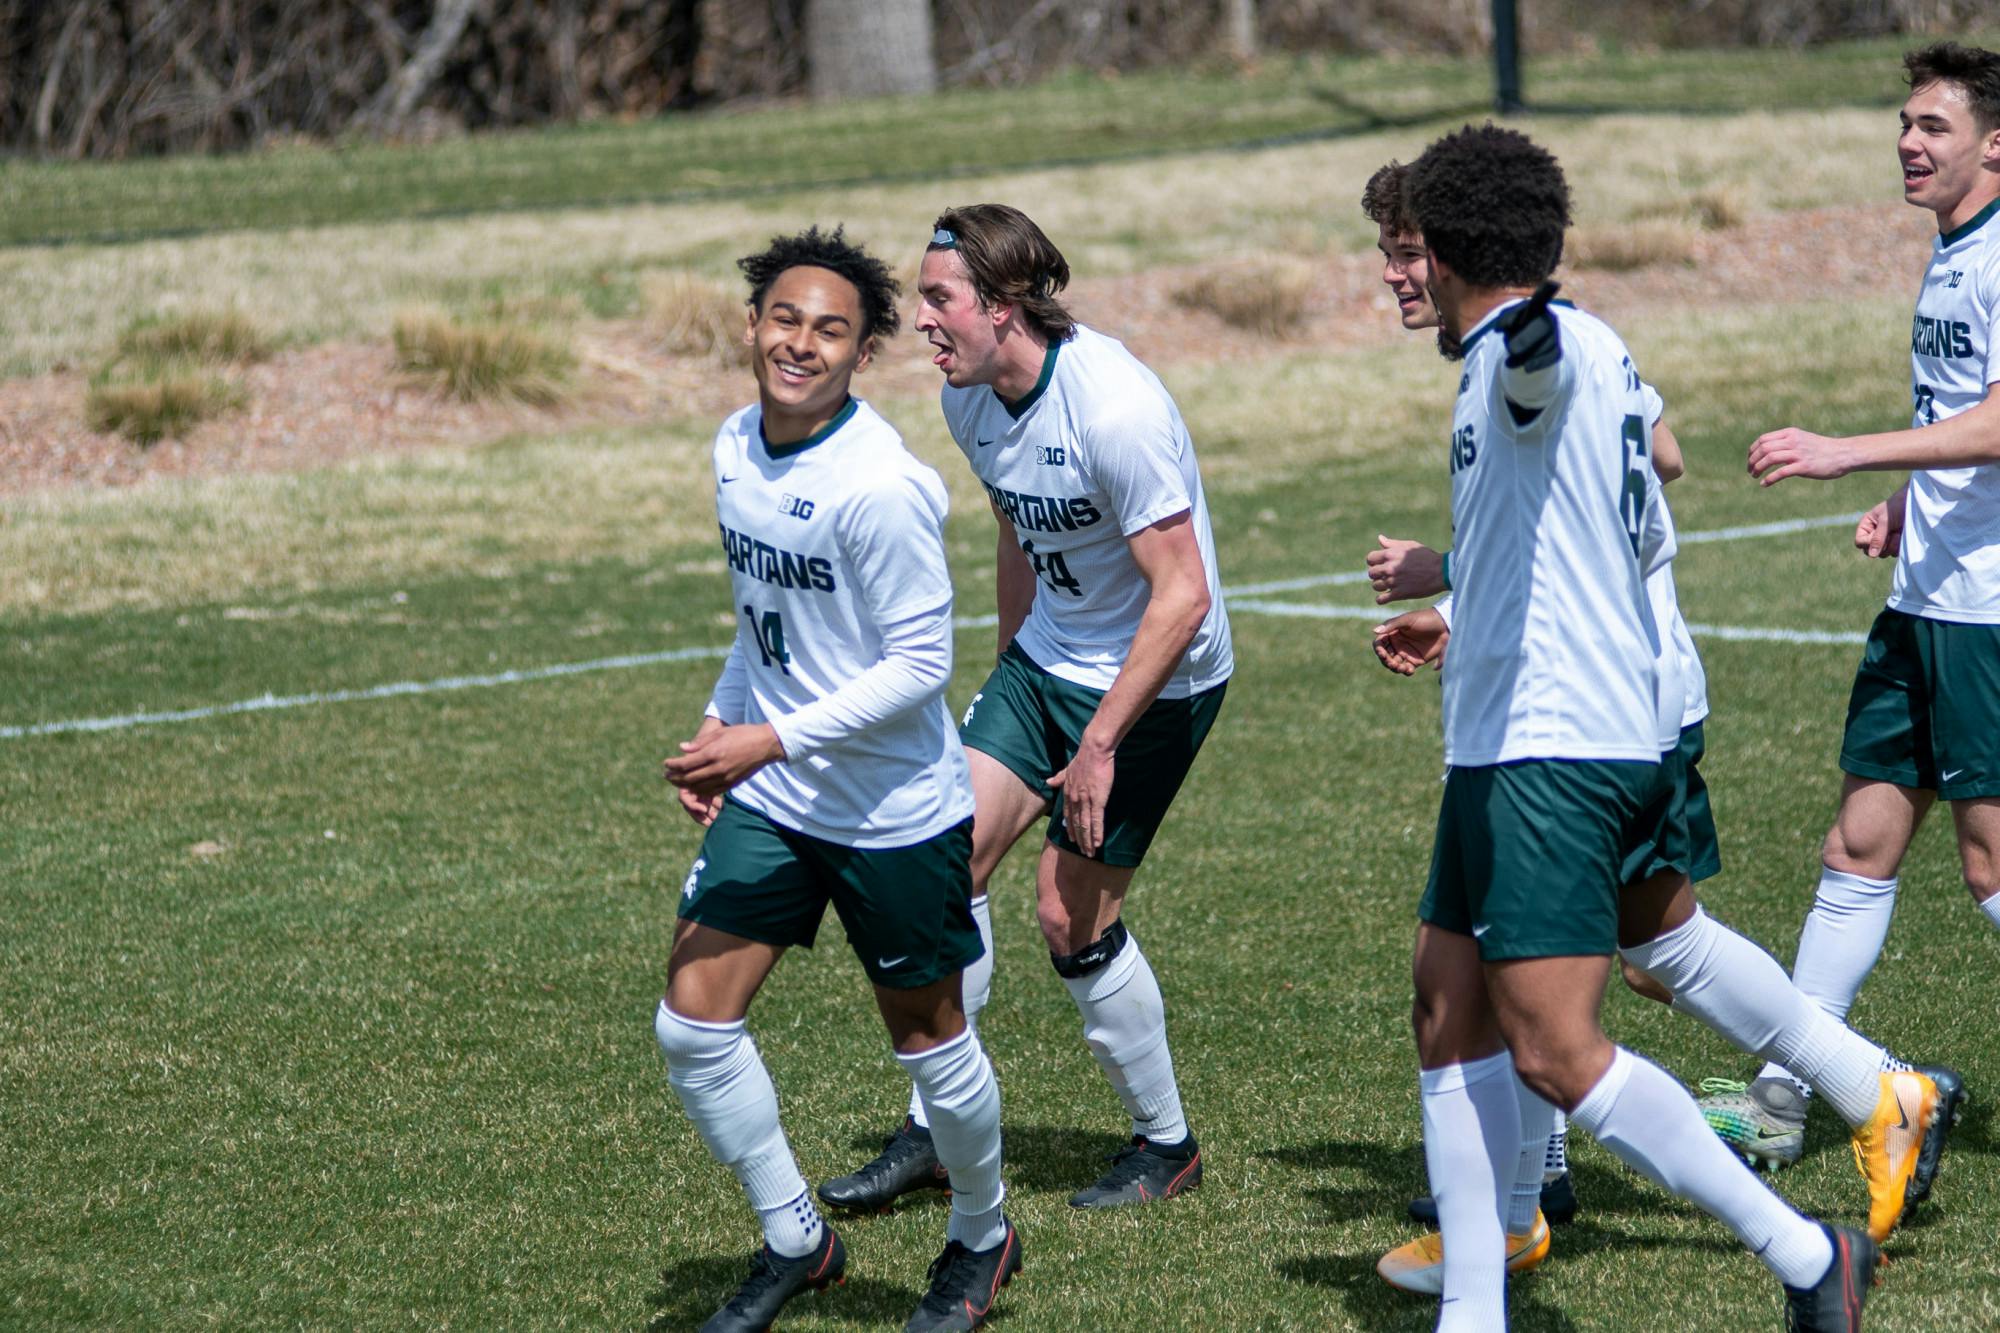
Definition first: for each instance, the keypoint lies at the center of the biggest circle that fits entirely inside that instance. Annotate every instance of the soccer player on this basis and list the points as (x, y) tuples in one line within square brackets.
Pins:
[(1552, 737), (826, 769), (1114, 652), (1923, 721), (1667, 943)]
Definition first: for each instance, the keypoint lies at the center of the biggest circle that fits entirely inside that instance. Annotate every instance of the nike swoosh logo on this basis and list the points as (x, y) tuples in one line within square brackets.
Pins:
[(1947, 777), (891, 962), (725, 480), (984, 443), (1480, 930), (1902, 1115)]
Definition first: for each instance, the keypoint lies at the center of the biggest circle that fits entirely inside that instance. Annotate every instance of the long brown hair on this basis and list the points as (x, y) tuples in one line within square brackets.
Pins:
[(1011, 262)]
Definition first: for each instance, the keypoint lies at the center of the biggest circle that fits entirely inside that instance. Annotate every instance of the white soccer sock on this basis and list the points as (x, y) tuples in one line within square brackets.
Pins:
[(1557, 1160), (1739, 990), (1649, 1122), (715, 1070), (1538, 1132), (1992, 909), (956, 1079), (976, 989), (1472, 1142), (1125, 1023), (1839, 944)]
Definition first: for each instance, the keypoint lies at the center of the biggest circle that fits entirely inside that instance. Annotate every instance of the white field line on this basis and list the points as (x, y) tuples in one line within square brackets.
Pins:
[(1246, 597)]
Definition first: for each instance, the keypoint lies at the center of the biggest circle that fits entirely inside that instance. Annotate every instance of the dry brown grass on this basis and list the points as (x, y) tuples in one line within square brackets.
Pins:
[(164, 398), (477, 360), (692, 315), (1628, 245), (1266, 295), (1714, 208), (224, 336)]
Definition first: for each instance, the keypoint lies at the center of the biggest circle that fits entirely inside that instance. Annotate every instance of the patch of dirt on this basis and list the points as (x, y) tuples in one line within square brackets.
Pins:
[(311, 406)]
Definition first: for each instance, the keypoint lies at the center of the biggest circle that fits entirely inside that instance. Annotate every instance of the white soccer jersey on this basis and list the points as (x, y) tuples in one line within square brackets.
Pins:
[(1096, 452), (1553, 642), (828, 540), (1949, 565)]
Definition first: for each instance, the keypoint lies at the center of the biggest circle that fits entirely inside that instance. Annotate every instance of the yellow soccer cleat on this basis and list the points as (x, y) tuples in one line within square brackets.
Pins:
[(1887, 1145), (1419, 1266)]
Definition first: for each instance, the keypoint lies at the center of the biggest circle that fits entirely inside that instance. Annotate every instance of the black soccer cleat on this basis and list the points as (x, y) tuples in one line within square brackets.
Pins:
[(965, 1283), (774, 1280), (1833, 1304), (1950, 1106), (1143, 1173), (1558, 1204), (908, 1162)]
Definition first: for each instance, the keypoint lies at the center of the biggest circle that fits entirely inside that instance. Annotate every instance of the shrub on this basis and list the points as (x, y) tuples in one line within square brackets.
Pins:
[(1630, 245), (487, 359), (210, 337), (146, 401), (693, 316), (1267, 296)]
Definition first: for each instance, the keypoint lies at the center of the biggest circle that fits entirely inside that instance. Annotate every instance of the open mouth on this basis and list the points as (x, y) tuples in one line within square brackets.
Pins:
[(940, 353), (792, 373), (1915, 173)]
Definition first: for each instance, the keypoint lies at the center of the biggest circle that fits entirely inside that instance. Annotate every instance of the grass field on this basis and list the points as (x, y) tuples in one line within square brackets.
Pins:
[(339, 1014)]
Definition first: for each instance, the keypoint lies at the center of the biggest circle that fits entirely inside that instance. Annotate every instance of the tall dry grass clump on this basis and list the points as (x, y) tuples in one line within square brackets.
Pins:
[(1625, 246), (692, 315), (166, 376), (484, 359), (1267, 296)]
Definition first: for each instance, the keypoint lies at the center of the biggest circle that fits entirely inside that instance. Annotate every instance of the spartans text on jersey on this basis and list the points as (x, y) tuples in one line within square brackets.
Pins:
[(771, 564)]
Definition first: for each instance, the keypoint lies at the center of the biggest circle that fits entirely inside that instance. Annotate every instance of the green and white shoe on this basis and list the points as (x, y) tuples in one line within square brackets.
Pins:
[(1765, 1121)]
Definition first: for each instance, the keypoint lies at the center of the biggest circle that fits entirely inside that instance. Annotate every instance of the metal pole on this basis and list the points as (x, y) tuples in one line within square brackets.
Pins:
[(1506, 58)]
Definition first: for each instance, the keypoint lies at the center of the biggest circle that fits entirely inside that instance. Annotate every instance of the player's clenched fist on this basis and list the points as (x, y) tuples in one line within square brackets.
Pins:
[(1399, 570)]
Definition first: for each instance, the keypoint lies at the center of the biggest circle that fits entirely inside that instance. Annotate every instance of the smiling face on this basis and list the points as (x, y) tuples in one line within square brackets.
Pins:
[(806, 344), (1406, 271), (1950, 165)]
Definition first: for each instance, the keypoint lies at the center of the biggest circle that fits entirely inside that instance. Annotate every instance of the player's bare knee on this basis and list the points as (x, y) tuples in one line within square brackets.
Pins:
[(1641, 984)]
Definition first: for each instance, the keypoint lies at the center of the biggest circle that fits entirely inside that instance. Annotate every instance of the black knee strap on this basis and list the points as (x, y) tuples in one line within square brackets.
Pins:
[(1093, 956)]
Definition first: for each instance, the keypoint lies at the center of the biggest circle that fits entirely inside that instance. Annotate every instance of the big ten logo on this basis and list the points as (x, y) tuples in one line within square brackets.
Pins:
[(795, 506), (1051, 455), (1464, 449)]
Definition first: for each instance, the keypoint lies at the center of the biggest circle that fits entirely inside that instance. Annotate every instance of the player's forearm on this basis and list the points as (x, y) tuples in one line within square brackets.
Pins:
[(914, 669), (1668, 464), (727, 703), (1013, 587), (1173, 617), (1970, 439)]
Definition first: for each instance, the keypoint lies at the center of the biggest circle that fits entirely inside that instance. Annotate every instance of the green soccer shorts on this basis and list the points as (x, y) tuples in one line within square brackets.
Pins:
[(1032, 722), (907, 910), (1529, 856), (1925, 710), (1678, 828)]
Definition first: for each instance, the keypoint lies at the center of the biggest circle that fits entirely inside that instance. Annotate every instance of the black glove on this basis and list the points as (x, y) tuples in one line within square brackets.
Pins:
[(1529, 331)]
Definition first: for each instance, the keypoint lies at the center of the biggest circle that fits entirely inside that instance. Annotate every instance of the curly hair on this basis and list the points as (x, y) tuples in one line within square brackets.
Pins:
[(1973, 69), (1011, 262), (1492, 204), (1383, 201), (813, 248)]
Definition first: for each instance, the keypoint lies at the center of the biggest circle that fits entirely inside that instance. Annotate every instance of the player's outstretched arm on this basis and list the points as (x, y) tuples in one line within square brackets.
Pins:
[(1880, 531), (1170, 559), (1404, 643), (1970, 439), (1400, 570)]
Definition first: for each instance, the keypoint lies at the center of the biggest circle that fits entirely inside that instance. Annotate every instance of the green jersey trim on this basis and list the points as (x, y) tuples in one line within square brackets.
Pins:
[(1018, 410), (840, 418), (1974, 223)]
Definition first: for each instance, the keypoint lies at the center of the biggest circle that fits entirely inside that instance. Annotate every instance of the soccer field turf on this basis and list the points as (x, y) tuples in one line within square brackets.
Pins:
[(334, 1009), (385, 1056)]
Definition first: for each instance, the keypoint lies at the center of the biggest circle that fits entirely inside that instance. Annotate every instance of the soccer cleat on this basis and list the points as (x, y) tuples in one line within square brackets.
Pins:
[(773, 1280), (1765, 1121), (965, 1283), (1142, 1173), (1888, 1144), (1419, 1266), (908, 1162), (1558, 1203), (1833, 1304), (1951, 1105)]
